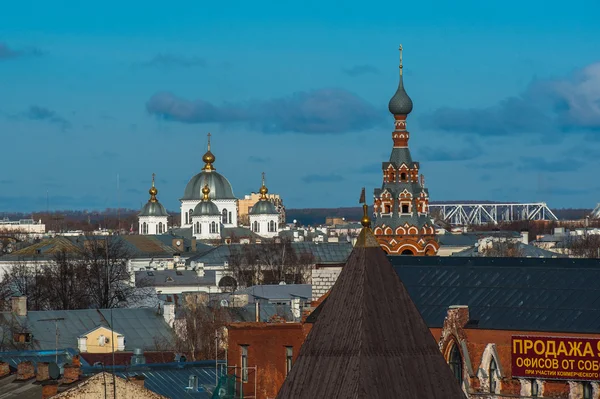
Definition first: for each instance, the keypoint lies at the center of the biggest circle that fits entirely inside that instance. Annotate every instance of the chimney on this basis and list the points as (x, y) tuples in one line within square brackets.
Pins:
[(76, 361), (193, 244), (43, 373), (257, 310), (4, 369), (19, 305), (200, 269), (49, 389), (25, 371), (169, 313), (138, 380), (71, 373)]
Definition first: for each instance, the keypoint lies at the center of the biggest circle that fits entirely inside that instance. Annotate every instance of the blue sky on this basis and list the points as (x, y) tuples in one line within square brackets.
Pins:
[(507, 99)]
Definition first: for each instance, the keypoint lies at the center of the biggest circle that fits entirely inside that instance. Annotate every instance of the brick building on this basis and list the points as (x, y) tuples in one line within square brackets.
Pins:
[(401, 206), (474, 308)]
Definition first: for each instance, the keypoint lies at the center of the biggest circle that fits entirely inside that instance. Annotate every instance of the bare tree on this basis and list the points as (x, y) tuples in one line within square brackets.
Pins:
[(199, 326), (271, 262), (25, 278), (503, 248), (586, 246), (64, 282), (107, 279)]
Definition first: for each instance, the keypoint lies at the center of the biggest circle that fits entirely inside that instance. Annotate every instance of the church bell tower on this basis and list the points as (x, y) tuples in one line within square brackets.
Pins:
[(401, 206)]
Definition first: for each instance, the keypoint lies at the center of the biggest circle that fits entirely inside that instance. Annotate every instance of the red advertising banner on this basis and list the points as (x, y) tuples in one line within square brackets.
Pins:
[(554, 358)]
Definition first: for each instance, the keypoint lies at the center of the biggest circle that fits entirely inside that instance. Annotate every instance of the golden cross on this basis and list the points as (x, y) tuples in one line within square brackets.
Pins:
[(208, 141), (263, 178), (153, 175)]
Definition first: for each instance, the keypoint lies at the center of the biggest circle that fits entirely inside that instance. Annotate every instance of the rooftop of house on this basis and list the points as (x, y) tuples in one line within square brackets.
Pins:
[(141, 327), (281, 292), (138, 246), (174, 278), (522, 294), (172, 379), (524, 250)]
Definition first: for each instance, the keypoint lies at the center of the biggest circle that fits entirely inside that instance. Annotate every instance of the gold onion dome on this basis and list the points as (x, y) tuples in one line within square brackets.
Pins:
[(205, 192), (208, 158), (263, 206), (153, 207)]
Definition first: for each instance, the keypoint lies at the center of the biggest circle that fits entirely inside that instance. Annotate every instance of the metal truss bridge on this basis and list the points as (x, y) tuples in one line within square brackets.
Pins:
[(466, 214)]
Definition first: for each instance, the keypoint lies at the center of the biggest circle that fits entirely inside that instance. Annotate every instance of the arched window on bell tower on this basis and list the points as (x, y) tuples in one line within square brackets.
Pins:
[(402, 176), (224, 216)]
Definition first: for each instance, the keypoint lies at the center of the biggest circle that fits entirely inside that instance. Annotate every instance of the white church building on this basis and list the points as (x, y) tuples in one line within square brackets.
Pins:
[(208, 206)]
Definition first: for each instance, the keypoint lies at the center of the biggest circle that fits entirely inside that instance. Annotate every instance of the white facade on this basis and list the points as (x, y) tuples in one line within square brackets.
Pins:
[(207, 227), (227, 207), (151, 225), (265, 225)]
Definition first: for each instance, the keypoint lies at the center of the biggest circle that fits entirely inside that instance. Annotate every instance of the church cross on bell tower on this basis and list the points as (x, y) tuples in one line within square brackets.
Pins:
[(402, 223)]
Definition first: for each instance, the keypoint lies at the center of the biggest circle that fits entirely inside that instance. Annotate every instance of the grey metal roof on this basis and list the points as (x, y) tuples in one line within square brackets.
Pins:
[(153, 209), (524, 294), (400, 103), (272, 292), (456, 240), (206, 208), (10, 388), (323, 253), (527, 251), (172, 278), (141, 327), (13, 358), (171, 379), (264, 207), (220, 188)]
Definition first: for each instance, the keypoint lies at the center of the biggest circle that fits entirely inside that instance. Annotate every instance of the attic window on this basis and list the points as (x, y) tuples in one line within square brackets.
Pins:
[(179, 273), (169, 279)]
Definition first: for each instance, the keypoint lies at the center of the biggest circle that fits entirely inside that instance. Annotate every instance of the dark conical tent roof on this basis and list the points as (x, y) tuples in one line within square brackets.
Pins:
[(369, 340)]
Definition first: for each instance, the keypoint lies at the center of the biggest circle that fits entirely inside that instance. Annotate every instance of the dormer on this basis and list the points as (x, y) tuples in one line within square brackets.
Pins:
[(101, 340)]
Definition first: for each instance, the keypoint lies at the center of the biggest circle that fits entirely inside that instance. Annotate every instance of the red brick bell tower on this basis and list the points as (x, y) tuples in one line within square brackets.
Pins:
[(401, 206)]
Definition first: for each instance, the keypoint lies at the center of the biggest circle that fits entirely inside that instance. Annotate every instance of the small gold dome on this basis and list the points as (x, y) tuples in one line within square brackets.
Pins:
[(263, 190), (153, 191), (205, 192), (365, 221)]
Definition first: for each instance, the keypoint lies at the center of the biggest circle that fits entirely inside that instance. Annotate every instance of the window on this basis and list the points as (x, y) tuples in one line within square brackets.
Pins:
[(387, 208), (191, 212), (229, 217), (186, 218), (534, 389), (224, 217), (272, 226), (144, 228), (255, 227), (405, 208), (198, 228), (455, 362), (213, 227), (403, 176), (244, 350), (587, 390), (289, 357), (492, 375), (160, 228)]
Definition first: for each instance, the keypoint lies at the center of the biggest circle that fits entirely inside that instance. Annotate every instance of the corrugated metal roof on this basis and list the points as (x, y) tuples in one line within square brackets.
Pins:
[(171, 379), (526, 294), (529, 251), (142, 327)]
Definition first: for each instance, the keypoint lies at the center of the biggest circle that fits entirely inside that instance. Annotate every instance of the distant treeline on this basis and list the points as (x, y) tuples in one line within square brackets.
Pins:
[(111, 218)]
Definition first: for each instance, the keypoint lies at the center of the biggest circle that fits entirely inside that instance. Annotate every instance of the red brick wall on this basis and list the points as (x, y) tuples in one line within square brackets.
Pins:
[(266, 349)]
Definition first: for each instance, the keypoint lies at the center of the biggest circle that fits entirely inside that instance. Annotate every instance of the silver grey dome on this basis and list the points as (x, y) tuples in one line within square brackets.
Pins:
[(263, 207), (153, 209), (400, 103), (206, 208), (220, 188)]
